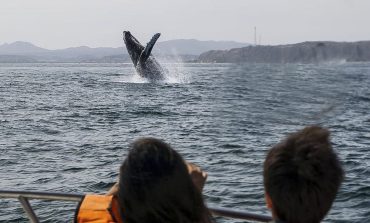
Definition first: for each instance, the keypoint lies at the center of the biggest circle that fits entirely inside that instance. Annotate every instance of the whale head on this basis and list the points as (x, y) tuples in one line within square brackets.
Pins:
[(134, 48)]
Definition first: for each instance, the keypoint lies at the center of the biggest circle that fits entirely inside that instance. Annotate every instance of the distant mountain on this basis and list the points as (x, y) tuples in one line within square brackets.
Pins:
[(21, 48), (24, 48), (194, 47), (178, 49), (85, 51), (306, 52)]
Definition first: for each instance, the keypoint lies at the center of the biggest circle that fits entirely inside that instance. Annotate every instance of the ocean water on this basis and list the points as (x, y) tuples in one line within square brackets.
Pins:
[(66, 127)]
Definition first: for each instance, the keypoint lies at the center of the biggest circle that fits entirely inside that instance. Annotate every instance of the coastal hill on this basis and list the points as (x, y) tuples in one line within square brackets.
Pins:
[(183, 49), (306, 52)]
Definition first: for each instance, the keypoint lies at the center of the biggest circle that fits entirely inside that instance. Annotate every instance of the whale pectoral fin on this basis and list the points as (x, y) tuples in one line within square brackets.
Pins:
[(149, 46)]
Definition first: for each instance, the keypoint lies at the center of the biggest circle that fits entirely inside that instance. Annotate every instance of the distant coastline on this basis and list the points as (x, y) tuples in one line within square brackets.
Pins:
[(196, 51), (306, 52), (173, 50)]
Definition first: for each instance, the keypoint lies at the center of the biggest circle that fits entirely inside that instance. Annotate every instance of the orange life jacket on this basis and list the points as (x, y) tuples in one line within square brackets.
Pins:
[(98, 209)]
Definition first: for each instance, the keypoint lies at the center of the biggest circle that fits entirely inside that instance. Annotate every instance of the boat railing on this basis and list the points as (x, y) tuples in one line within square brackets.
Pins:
[(25, 196)]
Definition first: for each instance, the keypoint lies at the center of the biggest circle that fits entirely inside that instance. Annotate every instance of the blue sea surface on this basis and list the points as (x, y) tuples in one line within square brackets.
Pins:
[(66, 127)]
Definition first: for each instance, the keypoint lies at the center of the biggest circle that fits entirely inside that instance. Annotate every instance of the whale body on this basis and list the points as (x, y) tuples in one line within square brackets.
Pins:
[(145, 64)]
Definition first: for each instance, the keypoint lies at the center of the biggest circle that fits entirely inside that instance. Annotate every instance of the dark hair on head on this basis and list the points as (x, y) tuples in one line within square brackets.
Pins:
[(155, 186), (302, 176)]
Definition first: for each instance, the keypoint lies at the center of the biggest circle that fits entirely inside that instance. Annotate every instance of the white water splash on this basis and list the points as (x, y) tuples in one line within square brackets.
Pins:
[(176, 73), (135, 78), (176, 69)]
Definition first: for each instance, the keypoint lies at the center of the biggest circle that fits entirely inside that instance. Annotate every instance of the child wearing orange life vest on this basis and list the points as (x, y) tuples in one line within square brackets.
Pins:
[(155, 185)]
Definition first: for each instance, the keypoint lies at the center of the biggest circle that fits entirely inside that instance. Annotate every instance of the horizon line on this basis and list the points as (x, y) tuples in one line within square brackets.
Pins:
[(249, 44)]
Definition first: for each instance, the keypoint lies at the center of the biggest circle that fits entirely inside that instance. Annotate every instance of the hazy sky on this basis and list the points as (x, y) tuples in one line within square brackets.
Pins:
[(64, 23)]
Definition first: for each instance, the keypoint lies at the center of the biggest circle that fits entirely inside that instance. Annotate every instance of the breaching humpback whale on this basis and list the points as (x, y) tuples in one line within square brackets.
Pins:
[(145, 64)]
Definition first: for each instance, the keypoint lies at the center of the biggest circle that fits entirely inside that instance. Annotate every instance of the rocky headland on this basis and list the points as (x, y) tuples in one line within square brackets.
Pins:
[(306, 52)]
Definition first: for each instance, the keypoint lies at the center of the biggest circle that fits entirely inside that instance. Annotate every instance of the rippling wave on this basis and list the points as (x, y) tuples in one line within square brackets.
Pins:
[(66, 127)]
